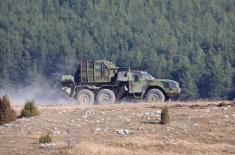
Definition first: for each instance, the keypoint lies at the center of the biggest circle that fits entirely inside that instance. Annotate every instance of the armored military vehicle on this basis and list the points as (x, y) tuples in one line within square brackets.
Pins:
[(102, 82)]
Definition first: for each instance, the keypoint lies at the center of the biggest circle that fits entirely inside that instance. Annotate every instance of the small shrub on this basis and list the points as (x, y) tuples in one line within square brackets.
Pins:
[(222, 104), (30, 109), (7, 114), (165, 117), (45, 139)]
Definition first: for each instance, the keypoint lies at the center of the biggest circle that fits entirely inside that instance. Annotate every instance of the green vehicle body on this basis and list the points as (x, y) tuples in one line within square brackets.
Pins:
[(95, 76)]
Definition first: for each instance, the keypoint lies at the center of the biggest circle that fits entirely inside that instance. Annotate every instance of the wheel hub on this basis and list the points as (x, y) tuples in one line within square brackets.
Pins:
[(154, 98), (84, 98), (105, 98)]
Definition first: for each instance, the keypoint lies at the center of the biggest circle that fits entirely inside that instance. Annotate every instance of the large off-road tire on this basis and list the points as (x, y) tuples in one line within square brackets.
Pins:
[(155, 95), (85, 96), (105, 96)]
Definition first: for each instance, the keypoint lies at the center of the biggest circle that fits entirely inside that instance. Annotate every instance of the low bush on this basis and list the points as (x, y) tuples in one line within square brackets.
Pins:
[(222, 104), (165, 117), (45, 139), (7, 114), (30, 109)]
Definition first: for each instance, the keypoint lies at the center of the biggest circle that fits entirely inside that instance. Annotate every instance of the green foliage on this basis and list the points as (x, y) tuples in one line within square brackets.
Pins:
[(45, 139), (165, 116), (7, 114), (29, 110), (189, 41)]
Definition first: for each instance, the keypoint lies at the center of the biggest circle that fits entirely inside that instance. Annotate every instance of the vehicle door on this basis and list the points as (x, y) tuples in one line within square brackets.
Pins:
[(137, 83)]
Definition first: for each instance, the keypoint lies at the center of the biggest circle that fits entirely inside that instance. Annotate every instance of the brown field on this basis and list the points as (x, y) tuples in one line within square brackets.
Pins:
[(126, 129)]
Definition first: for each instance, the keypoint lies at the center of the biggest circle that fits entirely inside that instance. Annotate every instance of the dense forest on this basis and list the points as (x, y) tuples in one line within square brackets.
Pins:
[(191, 41)]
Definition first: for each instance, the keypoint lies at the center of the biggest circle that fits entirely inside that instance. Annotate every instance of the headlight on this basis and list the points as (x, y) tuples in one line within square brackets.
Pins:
[(67, 90), (173, 84)]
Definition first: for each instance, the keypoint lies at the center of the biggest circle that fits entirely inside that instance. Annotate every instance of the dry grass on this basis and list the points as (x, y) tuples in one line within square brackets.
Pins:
[(195, 128)]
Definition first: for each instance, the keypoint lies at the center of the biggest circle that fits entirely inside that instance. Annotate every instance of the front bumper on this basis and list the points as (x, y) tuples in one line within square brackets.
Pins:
[(68, 91), (174, 91)]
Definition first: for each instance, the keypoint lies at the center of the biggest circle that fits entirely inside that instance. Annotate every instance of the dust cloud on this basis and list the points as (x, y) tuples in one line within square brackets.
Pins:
[(42, 92)]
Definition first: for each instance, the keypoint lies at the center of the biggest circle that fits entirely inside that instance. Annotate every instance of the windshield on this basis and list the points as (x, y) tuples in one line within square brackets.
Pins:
[(148, 76)]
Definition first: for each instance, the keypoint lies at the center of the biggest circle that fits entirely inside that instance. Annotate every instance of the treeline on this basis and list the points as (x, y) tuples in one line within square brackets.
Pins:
[(191, 41)]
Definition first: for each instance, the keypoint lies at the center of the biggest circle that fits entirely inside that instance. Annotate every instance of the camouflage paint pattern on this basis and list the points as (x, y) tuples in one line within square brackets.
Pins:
[(102, 72), (140, 85), (97, 71)]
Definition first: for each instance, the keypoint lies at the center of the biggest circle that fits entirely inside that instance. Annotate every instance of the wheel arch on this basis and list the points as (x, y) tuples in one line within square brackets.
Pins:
[(113, 88), (156, 87), (77, 89)]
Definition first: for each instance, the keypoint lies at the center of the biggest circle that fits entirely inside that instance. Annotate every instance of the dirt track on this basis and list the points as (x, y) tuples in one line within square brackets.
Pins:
[(124, 129)]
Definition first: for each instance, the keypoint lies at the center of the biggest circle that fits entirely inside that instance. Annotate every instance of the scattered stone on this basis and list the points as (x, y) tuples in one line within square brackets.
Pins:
[(87, 112), (123, 131), (196, 125), (226, 116), (169, 128), (158, 112), (12, 141), (212, 122), (127, 119), (158, 119), (7, 125), (170, 141), (84, 117), (103, 113), (56, 132), (106, 128), (98, 129), (47, 145), (62, 111), (225, 108), (140, 128)]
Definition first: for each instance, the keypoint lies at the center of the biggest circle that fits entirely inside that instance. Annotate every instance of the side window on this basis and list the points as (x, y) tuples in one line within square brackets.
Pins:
[(136, 76)]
